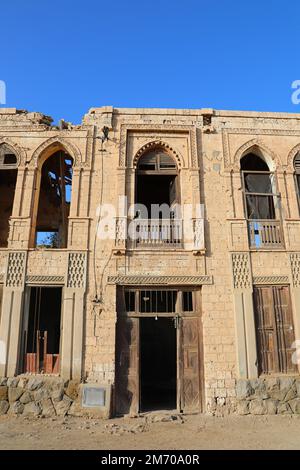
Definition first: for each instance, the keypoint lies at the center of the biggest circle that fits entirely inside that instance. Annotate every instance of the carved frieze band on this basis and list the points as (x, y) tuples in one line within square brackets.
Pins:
[(76, 278), (45, 280), (270, 280), (15, 274), (295, 266), (160, 280), (241, 269), (124, 128)]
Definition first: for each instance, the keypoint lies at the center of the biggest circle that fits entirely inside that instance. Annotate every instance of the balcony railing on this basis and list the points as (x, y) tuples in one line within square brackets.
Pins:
[(157, 232), (265, 234)]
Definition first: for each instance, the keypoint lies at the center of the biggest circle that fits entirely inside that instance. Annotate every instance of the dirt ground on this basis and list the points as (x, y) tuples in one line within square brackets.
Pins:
[(154, 431)]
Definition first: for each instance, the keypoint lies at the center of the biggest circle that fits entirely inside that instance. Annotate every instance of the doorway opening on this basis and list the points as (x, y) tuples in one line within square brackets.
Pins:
[(42, 330), (158, 364)]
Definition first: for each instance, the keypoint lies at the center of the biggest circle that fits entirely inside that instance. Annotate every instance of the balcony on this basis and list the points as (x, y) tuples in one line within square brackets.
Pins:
[(265, 234), (166, 233), (159, 234)]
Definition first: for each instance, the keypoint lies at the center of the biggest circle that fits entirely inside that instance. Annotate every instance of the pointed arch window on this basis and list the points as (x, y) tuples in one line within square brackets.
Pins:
[(8, 179), (53, 205), (261, 202), (157, 198), (297, 176)]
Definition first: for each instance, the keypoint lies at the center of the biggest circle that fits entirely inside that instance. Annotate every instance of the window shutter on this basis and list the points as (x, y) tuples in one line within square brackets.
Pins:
[(297, 163)]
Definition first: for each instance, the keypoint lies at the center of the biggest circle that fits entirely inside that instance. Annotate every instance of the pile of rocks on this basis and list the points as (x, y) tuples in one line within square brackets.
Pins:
[(37, 396), (268, 396)]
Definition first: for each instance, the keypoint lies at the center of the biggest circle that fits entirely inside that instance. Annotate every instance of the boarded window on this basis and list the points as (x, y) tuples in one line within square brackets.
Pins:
[(274, 329)]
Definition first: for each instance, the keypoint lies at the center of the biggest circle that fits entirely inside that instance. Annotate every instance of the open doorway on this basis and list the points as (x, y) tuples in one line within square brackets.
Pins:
[(42, 330), (158, 364)]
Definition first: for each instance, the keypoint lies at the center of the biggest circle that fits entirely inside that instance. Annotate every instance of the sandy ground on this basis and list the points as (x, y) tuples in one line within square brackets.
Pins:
[(187, 432)]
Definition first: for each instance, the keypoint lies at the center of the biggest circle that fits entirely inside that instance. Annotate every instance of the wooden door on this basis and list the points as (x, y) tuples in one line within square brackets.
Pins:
[(274, 327), (285, 328), (189, 364), (266, 330), (127, 368)]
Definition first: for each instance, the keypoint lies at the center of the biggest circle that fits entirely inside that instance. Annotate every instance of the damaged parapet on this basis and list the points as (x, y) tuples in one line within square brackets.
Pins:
[(21, 117), (103, 117)]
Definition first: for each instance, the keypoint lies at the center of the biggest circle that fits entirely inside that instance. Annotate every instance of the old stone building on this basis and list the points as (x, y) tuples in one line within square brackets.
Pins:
[(192, 309)]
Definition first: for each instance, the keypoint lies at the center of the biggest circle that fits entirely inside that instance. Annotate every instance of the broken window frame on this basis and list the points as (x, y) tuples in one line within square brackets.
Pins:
[(62, 239), (274, 195), (5, 151), (159, 168)]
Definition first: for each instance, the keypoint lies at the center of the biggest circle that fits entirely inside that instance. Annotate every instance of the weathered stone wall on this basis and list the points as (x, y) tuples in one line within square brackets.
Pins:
[(271, 395), (37, 396)]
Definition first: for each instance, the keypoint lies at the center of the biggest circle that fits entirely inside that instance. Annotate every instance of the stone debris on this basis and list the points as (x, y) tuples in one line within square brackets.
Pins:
[(118, 429)]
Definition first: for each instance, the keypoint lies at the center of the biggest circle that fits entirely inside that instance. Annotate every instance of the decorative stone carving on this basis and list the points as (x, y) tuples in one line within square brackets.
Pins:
[(199, 243), (124, 128), (291, 156), (15, 276), (45, 280), (241, 271), (295, 266), (270, 280), (233, 163), (160, 280), (54, 142), (18, 151), (157, 144), (76, 278), (121, 235)]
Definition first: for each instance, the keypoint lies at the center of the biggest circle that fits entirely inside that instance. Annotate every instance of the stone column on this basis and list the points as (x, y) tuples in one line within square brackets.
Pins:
[(11, 318), (244, 316), (73, 316)]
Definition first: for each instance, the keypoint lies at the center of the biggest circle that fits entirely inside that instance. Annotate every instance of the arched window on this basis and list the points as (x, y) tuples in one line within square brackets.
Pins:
[(8, 179), (261, 203), (53, 208), (297, 176), (157, 182), (157, 198), (258, 188)]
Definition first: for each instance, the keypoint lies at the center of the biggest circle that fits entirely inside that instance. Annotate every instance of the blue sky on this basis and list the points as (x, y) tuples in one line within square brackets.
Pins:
[(62, 57)]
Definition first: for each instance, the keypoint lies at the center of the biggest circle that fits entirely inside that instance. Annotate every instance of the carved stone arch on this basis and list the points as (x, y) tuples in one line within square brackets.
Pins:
[(291, 157), (259, 147), (53, 144), (158, 144), (18, 151)]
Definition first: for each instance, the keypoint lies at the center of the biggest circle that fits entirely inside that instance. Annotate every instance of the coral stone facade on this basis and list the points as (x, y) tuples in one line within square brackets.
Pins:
[(208, 296)]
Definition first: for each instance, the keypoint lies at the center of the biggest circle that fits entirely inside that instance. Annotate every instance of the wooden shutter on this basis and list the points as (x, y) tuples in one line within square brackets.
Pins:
[(274, 327), (266, 331), (189, 365), (127, 384), (285, 328)]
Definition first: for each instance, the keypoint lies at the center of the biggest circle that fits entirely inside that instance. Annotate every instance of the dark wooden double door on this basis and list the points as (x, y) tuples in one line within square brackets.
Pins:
[(274, 329), (176, 356)]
